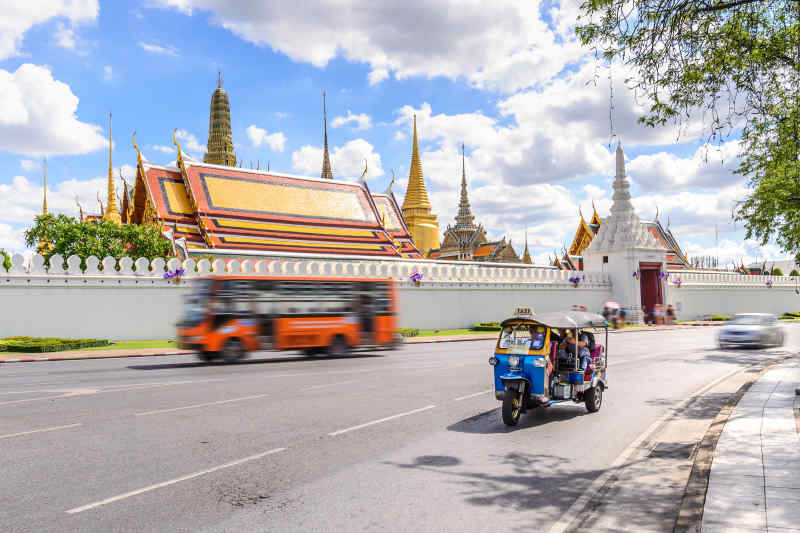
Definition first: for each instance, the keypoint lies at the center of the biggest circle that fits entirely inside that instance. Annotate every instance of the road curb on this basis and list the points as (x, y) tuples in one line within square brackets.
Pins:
[(115, 356), (690, 514)]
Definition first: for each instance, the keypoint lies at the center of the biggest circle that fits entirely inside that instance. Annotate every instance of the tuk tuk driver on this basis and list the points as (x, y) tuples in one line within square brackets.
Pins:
[(583, 347)]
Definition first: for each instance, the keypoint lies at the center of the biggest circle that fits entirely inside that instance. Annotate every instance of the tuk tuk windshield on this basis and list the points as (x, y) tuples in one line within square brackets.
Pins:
[(522, 337)]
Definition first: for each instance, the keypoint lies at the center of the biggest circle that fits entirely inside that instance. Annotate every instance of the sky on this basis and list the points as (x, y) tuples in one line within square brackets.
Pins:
[(538, 114)]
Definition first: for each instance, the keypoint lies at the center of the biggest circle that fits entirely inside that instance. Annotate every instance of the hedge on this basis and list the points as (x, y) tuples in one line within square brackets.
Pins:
[(486, 326), (407, 332), (794, 272), (47, 344), (720, 318)]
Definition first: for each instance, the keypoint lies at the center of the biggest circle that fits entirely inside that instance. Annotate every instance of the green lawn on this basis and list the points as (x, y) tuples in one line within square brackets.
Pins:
[(133, 345), (445, 332)]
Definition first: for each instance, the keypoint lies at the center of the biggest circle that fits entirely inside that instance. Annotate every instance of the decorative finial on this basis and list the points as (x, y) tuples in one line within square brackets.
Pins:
[(138, 152), (389, 188), (267, 165), (219, 79), (667, 222), (580, 212), (80, 208), (175, 139), (656, 213), (44, 197), (364, 174), (326, 173)]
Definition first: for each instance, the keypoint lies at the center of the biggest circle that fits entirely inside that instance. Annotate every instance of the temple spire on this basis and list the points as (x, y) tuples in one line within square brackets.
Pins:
[(44, 190), (327, 173), (219, 149), (526, 256), (416, 194), (111, 212), (464, 219)]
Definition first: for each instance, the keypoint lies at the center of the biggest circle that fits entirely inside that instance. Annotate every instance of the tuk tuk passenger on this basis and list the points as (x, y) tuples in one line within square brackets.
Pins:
[(568, 346)]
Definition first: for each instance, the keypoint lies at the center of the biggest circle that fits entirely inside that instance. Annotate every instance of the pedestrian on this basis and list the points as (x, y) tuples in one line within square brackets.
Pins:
[(622, 316), (670, 314)]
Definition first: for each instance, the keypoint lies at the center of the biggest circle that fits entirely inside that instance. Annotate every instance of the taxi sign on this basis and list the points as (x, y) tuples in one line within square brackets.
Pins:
[(523, 311)]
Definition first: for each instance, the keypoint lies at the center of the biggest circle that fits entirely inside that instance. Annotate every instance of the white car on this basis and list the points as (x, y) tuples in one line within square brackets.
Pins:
[(751, 329)]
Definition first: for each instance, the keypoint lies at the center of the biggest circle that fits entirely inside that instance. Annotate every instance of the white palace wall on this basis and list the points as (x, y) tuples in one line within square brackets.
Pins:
[(132, 300)]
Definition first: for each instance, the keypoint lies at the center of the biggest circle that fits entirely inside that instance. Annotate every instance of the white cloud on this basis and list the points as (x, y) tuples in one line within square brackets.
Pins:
[(347, 161), (190, 143), (709, 167), (164, 149), (732, 253), (258, 136), (504, 45), (65, 36), (12, 238), (28, 164), (153, 48), (38, 115), (281, 114), (361, 121), (20, 16), (108, 73)]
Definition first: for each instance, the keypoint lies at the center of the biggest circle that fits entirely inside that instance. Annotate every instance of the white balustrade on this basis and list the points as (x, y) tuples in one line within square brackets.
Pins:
[(218, 266), (263, 267), (203, 267), (233, 267), (36, 264)]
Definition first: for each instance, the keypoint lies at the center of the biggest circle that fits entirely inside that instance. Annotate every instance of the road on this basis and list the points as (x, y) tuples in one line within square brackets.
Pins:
[(403, 440)]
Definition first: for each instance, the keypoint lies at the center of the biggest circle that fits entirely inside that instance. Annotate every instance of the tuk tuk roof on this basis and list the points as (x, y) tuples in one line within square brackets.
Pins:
[(566, 320)]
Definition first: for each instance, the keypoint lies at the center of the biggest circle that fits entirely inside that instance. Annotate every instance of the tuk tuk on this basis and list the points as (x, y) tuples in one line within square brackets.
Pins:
[(548, 358)]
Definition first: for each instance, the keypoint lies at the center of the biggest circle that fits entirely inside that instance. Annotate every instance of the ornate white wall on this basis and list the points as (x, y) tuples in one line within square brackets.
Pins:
[(131, 299)]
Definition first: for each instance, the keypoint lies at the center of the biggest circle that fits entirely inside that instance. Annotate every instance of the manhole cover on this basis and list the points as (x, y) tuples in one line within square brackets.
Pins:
[(672, 450)]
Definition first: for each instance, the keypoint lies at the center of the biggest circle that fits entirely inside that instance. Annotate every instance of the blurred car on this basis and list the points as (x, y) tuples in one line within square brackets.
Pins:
[(751, 329)]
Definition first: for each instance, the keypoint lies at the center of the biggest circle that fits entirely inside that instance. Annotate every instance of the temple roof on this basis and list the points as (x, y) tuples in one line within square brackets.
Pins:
[(223, 208)]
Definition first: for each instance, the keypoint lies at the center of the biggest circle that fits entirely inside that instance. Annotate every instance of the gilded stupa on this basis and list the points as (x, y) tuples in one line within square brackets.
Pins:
[(44, 245), (416, 206), (220, 143), (111, 212)]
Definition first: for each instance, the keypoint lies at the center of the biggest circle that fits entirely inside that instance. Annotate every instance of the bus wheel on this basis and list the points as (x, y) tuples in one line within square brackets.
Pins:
[(338, 347), (207, 356), (233, 351)]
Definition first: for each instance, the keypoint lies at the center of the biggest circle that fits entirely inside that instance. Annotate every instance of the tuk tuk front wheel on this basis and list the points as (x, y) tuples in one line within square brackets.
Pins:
[(338, 347), (594, 398), (233, 351), (512, 407)]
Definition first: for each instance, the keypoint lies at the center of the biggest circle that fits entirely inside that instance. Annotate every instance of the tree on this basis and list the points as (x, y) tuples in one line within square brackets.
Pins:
[(5, 259), (794, 272), (731, 64), (777, 271), (99, 238)]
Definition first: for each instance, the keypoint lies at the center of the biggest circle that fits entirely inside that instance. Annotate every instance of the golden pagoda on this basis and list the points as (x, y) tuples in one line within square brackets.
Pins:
[(327, 173), (111, 212), (220, 143), (526, 256), (417, 208)]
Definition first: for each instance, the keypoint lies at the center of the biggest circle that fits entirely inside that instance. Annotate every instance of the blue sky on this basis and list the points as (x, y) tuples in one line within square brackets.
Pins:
[(508, 79)]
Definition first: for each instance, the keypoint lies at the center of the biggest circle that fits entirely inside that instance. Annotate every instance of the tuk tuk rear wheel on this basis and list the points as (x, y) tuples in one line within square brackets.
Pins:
[(512, 407), (233, 351), (338, 347), (594, 398)]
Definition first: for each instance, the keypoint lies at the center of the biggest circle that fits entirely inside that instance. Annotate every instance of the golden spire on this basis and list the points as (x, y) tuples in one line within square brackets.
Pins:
[(44, 196), (327, 173), (111, 212), (526, 257), (220, 141), (416, 195)]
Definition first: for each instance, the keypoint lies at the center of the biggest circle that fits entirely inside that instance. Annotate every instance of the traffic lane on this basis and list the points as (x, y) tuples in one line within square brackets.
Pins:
[(478, 474)]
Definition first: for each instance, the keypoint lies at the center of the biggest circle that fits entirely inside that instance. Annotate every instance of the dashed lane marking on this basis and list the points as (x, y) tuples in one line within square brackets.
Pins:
[(326, 385), (381, 420), (468, 396), (43, 430), (171, 482), (199, 405)]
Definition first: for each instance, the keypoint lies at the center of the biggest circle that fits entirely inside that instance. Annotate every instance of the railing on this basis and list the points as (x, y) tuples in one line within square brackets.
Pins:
[(129, 270), (729, 279)]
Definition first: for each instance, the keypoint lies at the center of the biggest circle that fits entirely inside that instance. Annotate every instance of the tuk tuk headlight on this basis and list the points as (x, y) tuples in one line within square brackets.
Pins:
[(540, 362), (513, 361), (493, 361)]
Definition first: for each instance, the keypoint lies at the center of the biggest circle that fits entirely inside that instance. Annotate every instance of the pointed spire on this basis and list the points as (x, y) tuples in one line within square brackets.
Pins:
[(416, 194), (44, 191), (327, 173), (464, 219), (125, 204), (111, 212), (526, 256), (219, 149)]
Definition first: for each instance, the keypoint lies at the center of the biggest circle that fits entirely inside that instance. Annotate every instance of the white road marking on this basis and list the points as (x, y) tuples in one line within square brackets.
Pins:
[(198, 405), (576, 509), (472, 395), (72, 393), (171, 481), (54, 428), (326, 385), (367, 424)]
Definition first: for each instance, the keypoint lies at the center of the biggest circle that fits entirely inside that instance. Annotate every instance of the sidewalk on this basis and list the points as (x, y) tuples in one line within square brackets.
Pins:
[(755, 471)]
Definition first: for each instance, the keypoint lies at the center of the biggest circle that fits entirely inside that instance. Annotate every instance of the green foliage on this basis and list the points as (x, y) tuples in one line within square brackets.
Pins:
[(100, 238), (6, 259), (731, 64), (720, 318), (794, 272), (486, 326), (792, 314), (46, 344), (777, 271), (408, 332)]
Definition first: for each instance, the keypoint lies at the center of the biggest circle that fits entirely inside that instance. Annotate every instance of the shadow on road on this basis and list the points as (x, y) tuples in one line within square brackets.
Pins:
[(260, 361), (490, 422)]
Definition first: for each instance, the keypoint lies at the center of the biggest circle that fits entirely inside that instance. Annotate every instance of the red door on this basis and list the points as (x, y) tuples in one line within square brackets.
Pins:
[(650, 286)]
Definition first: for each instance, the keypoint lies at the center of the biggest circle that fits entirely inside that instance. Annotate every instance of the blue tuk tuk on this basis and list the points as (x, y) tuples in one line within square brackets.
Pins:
[(539, 361)]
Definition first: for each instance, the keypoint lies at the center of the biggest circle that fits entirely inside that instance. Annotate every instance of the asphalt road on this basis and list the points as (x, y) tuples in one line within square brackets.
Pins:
[(409, 440)]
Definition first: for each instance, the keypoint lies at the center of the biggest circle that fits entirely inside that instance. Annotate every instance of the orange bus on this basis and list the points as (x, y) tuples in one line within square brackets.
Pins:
[(225, 317)]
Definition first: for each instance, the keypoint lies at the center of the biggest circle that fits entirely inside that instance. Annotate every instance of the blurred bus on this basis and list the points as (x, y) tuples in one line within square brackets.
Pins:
[(225, 317)]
